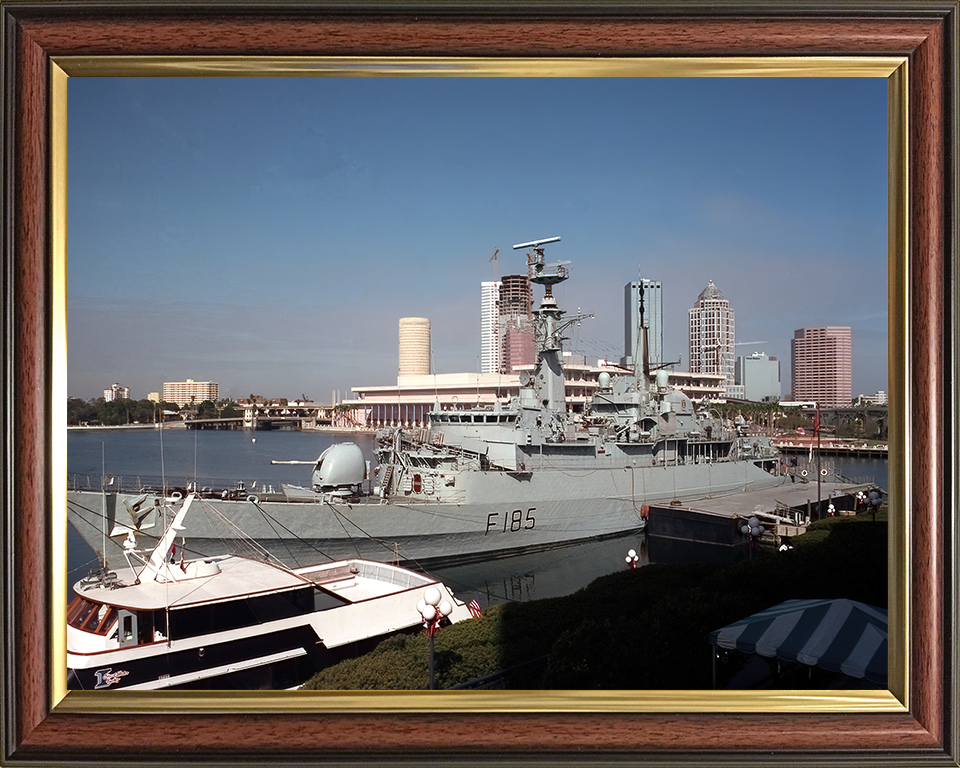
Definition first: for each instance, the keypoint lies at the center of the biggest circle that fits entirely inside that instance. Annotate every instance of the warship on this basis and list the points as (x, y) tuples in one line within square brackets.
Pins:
[(483, 482)]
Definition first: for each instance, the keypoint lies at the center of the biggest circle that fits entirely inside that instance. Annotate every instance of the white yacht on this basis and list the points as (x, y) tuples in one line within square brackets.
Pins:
[(231, 622)]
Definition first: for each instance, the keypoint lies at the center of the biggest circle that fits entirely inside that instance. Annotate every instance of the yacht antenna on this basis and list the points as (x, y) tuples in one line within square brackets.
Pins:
[(103, 503), (163, 473)]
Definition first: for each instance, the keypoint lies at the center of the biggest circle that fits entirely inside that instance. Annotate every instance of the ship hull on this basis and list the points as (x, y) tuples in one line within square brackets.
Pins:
[(491, 514)]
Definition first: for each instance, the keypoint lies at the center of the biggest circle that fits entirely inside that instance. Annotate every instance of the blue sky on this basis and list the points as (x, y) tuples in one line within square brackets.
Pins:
[(269, 234)]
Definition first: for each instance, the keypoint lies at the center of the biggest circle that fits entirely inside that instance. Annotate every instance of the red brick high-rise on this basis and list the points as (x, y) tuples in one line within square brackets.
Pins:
[(822, 366)]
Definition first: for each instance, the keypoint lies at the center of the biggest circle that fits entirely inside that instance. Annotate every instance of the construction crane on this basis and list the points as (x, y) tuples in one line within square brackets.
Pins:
[(744, 343)]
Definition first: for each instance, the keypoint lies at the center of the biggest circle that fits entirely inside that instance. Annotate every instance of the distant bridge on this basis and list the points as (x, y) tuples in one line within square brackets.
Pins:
[(274, 415), (234, 422), (278, 414)]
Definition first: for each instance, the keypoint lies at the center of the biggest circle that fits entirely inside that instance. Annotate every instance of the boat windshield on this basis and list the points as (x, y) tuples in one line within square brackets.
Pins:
[(90, 616)]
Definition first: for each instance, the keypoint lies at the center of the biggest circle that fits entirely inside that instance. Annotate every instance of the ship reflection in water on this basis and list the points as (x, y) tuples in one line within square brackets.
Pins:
[(554, 573), (565, 570)]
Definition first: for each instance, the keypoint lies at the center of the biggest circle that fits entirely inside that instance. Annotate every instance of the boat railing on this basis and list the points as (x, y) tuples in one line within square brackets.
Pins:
[(111, 483), (381, 572), (156, 485), (387, 573)]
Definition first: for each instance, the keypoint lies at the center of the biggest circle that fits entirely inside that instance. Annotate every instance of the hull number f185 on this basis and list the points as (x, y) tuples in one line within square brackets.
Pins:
[(512, 521)]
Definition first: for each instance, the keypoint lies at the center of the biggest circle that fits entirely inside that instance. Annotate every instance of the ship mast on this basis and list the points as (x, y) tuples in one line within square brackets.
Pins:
[(641, 356), (548, 381)]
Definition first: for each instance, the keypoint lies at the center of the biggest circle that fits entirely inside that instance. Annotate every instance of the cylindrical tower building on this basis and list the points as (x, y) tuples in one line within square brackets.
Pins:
[(414, 346)]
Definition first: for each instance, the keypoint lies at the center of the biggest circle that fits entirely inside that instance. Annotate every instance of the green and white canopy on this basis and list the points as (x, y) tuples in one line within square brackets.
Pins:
[(838, 635)]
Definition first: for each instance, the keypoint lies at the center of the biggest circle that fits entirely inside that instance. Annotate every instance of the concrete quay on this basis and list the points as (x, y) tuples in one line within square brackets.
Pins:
[(796, 445)]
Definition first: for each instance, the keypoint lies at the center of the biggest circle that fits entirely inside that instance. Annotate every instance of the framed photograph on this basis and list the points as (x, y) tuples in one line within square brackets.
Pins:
[(912, 46)]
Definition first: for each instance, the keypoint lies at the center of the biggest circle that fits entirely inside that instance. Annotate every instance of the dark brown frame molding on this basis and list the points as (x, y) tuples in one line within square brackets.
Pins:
[(37, 732)]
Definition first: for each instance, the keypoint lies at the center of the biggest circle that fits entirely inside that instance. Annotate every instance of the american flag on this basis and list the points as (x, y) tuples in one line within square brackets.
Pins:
[(474, 608)]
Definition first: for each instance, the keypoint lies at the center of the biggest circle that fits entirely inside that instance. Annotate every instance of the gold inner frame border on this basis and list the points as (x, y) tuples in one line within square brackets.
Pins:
[(894, 700)]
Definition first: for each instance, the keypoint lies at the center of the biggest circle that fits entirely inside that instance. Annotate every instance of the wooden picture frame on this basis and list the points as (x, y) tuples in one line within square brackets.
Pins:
[(917, 722)]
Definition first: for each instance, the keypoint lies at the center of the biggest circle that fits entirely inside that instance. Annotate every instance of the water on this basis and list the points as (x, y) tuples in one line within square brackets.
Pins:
[(218, 458), (860, 469), (223, 458)]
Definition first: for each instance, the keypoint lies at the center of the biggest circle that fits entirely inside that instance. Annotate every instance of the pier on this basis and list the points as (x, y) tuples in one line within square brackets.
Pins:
[(833, 448), (785, 511)]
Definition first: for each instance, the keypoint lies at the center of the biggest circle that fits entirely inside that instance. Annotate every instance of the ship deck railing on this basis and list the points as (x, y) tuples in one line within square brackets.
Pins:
[(155, 485)]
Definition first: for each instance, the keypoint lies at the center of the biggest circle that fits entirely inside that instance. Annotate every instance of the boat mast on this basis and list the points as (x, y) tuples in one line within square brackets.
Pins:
[(157, 564)]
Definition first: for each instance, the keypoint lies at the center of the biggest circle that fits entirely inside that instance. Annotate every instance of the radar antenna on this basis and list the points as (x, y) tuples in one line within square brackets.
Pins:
[(543, 274)]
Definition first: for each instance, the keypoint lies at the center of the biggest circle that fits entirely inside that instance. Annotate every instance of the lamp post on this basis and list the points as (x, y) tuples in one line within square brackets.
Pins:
[(632, 558), (754, 530), (432, 610)]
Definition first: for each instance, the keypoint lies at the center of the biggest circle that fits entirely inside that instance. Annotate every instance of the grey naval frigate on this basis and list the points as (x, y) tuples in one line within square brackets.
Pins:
[(483, 482)]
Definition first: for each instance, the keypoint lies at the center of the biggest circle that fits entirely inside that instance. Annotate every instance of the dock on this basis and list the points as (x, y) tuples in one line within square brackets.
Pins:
[(784, 511), (833, 448)]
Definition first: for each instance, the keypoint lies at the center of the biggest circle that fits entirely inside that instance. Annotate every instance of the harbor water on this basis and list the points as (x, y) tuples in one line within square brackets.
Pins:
[(131, 457)]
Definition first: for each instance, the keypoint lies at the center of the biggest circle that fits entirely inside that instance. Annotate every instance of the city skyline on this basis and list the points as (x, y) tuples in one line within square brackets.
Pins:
[(269, 234)]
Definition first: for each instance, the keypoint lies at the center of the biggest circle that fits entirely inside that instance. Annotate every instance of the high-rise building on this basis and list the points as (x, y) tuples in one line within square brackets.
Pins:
[(515, 309), (116, 392), (652, 318), (414, 346), (712, 336), (506, 329), (489, 327), (190, 392), (759, 376), (821, 365)]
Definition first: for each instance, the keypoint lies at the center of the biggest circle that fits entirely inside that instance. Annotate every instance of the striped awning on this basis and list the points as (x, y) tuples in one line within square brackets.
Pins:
[(838, 635)]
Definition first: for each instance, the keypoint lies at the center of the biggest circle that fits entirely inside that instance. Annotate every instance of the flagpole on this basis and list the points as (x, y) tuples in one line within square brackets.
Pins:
[(819, 476)]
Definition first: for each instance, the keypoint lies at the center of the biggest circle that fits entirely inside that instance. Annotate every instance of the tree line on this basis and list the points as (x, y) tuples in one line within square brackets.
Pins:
[(113, 413), (860, 421)]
